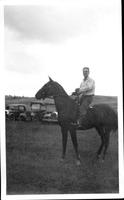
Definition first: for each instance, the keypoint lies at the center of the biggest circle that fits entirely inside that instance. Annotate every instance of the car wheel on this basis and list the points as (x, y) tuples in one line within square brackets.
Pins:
[(22, 118), (11, 117)]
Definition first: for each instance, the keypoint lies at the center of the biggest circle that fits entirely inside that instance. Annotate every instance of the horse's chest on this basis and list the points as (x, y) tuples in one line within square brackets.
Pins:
[(67, 114)]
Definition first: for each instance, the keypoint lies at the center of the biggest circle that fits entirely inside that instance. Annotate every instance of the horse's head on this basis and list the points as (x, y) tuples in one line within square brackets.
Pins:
[(46, 91), (51, 88)]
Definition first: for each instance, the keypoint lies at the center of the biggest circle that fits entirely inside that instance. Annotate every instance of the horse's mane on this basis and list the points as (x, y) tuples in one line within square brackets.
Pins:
[(60, 89), (68, 109)]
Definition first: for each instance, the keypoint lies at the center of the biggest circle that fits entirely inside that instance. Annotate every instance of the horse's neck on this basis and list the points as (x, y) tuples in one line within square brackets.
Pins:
[(66, 107), (61, 102), (59, 90)]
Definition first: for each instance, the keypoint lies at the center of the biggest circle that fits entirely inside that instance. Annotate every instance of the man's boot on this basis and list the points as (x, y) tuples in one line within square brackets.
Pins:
[(79, 122)]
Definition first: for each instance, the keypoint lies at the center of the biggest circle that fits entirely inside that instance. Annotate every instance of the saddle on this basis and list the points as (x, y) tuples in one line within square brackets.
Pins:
[(77, 124)]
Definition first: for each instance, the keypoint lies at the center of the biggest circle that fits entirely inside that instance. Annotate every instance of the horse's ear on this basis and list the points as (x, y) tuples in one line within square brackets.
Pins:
[(50, 79)]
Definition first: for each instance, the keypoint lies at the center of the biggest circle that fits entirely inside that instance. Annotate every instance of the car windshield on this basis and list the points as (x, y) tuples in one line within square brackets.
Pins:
[(22, 108), (17, 107), (13, 107), (37, 107)]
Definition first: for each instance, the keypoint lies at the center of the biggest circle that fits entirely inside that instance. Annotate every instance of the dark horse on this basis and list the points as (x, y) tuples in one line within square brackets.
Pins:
[(101, 117)]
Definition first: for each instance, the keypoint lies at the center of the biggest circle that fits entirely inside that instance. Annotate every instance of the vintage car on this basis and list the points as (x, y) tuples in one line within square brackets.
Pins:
[(7, 112), (37, 110), (51, 115), (43, 112), (17, 112)]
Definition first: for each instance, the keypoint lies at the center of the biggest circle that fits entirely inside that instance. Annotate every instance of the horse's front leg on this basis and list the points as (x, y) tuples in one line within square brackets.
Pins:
[(64, 131), (75, 144)]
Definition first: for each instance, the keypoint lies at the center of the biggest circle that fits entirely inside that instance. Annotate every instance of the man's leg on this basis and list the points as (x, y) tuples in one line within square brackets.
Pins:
[(85, 102)]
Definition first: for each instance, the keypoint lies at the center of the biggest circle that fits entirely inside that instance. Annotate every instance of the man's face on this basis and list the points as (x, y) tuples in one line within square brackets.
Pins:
[(85, 73)]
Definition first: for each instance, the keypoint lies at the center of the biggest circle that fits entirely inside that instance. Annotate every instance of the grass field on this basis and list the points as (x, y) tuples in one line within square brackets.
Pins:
[(33, 160)]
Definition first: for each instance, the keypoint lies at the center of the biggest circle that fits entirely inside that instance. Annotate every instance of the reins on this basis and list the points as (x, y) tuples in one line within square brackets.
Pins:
[(60, 95)]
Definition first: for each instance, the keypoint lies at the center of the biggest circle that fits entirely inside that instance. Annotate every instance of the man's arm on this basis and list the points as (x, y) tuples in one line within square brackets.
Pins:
[(88, 86)]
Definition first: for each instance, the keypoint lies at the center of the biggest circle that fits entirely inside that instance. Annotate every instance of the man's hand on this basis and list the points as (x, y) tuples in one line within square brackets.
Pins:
[(82, 93), (77, 90)]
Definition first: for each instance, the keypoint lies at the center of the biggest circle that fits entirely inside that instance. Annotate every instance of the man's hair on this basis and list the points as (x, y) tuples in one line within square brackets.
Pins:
[(86, 68)]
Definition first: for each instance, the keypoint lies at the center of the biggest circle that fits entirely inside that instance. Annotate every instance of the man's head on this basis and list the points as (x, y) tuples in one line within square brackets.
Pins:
[(86, 72)]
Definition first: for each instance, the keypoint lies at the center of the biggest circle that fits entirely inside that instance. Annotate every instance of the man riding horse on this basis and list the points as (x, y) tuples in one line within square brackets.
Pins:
[(85, 94), (101, 117)]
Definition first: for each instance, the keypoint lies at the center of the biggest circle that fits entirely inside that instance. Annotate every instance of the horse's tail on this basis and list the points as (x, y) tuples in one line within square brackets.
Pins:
[(113, 121)]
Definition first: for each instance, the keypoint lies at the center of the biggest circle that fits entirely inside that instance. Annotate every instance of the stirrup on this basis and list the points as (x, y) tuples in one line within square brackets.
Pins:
[(74, 123), (78, 124)]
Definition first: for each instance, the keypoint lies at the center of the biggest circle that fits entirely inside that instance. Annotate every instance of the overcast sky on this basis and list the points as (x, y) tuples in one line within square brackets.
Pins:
[(58, 40)]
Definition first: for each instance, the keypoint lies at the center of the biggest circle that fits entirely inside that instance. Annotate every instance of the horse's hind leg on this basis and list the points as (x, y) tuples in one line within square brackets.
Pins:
[(75, 144), (101, 133), (64, 140), (106, 142), (100, 148)]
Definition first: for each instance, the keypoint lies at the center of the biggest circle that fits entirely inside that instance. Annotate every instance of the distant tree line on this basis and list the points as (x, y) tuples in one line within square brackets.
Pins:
[(14, 97)]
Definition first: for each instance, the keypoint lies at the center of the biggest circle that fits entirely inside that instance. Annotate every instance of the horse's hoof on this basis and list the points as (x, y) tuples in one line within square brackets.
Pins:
[(98, 157), (95, 160), (78, 163)]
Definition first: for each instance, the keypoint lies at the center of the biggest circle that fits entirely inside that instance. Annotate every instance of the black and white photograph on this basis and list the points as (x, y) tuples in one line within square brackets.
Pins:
[(61, 86)]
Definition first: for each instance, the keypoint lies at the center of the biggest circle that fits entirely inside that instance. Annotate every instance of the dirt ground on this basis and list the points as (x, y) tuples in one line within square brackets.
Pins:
[(33, 153)]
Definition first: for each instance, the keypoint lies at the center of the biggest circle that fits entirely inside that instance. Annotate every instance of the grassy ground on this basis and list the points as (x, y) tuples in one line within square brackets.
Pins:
[(34, 166)]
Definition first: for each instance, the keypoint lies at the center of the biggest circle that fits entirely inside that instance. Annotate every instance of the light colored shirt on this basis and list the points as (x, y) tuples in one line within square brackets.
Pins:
[(87, 87)]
